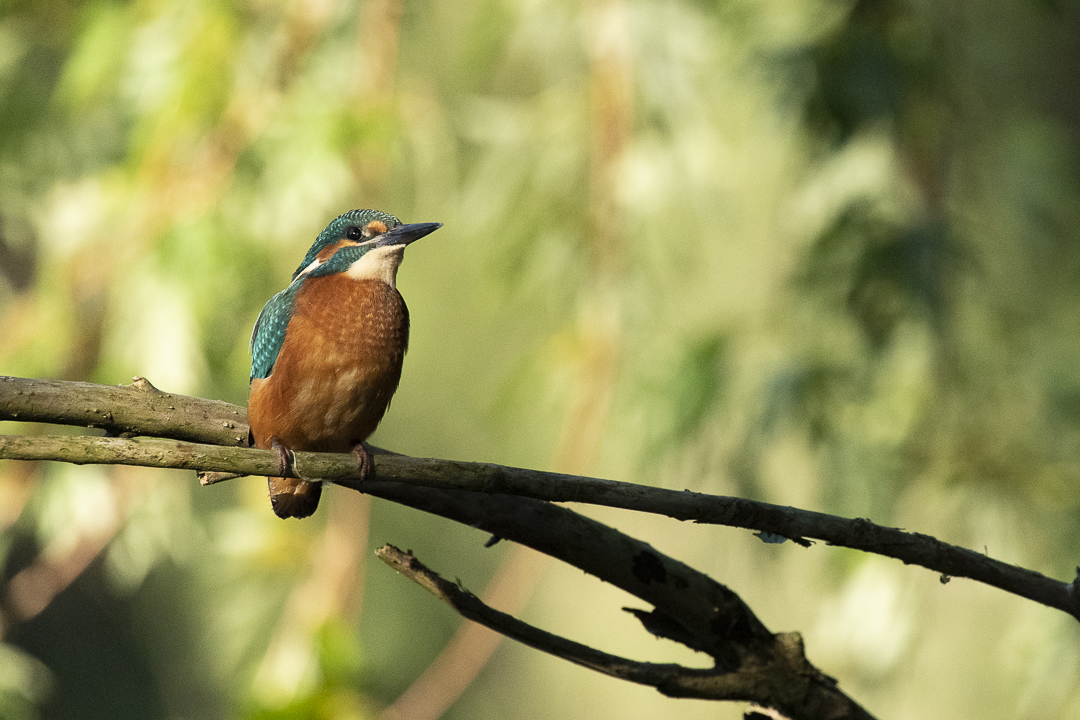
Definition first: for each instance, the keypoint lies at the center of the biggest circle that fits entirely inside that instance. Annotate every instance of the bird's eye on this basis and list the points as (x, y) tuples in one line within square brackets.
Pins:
[(353, 233)]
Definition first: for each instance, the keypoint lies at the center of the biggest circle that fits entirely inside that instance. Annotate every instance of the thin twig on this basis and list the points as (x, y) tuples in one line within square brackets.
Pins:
[(473, 608), (471, 647)]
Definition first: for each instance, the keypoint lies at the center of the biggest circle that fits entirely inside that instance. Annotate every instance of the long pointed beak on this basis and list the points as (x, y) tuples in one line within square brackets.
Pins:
[(405, 234)]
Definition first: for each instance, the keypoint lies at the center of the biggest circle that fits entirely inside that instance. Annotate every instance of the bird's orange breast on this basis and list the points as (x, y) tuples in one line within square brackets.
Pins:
[(337, 369)]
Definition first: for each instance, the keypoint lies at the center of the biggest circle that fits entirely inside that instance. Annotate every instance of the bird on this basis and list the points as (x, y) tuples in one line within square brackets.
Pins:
[(327, 351)]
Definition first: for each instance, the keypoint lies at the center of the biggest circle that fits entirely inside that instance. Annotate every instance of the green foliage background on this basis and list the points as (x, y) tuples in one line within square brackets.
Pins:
[(820, 253)]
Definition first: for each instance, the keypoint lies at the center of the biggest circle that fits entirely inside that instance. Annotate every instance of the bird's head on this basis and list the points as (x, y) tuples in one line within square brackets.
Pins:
[(363, 244), (351, 228)]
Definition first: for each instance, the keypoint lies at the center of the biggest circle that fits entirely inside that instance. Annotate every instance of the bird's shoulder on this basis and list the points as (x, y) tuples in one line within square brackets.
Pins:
[(269, 333)]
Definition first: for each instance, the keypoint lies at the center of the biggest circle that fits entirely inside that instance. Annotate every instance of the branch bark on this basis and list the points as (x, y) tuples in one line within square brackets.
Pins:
[(125, 410), (751, 663), (859, 534), (670, 679)]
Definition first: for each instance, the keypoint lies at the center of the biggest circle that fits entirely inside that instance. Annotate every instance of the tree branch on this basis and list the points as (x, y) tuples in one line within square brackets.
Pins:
[(858, 534), (136, 409), (670, 679), (471, 607), (751, 663)]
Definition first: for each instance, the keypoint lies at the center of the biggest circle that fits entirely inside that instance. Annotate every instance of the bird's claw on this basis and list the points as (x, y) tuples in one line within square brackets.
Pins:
[(365, 463), (285, 456)]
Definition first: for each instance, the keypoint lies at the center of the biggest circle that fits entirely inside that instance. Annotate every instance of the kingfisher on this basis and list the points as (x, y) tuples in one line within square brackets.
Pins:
[(326, 352)]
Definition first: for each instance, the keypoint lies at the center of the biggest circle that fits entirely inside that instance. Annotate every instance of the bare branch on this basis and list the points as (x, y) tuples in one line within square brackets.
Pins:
[(136, 409), (858, 534), (751, 663), (669, 678), (472, 608), (154, 452)]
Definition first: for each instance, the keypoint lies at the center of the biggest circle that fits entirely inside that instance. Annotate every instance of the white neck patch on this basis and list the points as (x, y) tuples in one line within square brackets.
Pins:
[(380, 263)]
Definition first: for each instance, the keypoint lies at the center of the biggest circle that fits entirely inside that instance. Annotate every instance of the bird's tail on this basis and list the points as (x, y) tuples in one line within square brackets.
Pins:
[(292, 497)]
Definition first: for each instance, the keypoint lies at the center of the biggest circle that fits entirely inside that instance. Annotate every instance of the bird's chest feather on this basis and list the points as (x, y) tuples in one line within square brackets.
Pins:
[(338, 367)]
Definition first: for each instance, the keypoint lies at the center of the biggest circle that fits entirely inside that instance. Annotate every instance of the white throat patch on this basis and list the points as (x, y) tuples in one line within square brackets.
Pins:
[(381, 263)]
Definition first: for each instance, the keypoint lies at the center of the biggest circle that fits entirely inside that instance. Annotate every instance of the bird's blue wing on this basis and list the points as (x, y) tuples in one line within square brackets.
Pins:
[(269, 333)]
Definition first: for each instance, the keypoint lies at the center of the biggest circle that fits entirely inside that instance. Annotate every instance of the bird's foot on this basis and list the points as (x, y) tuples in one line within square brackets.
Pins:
[(365, 462), (285, 457)]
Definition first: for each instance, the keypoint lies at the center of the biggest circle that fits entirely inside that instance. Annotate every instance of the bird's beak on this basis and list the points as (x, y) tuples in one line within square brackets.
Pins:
[(405, 234)]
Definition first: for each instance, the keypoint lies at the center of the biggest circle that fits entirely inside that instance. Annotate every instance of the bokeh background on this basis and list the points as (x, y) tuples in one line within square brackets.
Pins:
[(818, 252)]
